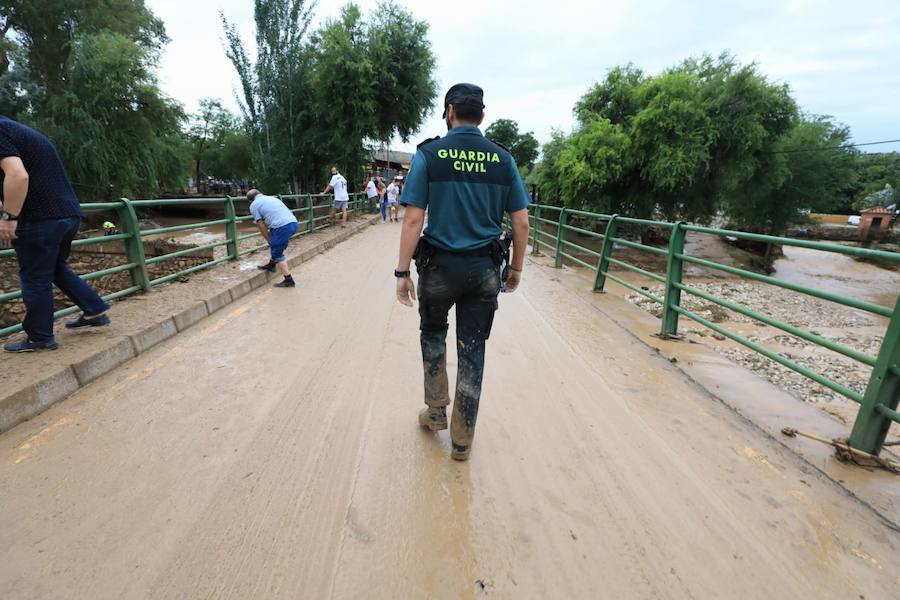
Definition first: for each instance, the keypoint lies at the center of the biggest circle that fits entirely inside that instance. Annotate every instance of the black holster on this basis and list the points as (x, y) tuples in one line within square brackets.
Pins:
[(422, 255)]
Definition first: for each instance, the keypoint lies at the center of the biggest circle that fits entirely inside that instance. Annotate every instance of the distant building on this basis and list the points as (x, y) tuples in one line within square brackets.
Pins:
[(875, 222), (387, 164)]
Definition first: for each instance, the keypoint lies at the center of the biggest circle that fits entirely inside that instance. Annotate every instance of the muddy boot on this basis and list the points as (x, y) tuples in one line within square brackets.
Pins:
[(462, 431), (433, 419)]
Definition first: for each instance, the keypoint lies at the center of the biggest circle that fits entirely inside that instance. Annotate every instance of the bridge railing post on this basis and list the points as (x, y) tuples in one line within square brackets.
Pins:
[(560, 237), (879, 405), (605, 252), (674, 272), (134, 245), (310, 215), (231, 228), (535, 231)]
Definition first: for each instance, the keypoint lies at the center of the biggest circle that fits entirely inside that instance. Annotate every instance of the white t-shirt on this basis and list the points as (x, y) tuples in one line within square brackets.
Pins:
[(371, 189), (339, 185), (392, 192)]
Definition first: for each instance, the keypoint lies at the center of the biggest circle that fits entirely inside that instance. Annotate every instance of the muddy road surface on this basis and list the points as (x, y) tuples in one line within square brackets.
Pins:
[(273, 451)]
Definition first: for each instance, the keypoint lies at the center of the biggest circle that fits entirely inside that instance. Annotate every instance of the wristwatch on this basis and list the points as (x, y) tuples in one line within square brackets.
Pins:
[(5, 216), (401, 273)]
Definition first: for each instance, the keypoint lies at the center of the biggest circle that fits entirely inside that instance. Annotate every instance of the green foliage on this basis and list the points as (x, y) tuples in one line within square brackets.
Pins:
[(706, 136), (522, 146), (81, 72), (112, 123), (341, 77), (218, 144), (313, 99), (874, 171), (403, 84)]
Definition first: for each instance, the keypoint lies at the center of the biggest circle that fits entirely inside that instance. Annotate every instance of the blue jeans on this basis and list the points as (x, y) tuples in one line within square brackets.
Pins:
[(42, 249)]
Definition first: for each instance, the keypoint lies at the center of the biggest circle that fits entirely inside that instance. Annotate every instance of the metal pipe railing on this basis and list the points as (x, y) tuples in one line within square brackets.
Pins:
[(878, 405)]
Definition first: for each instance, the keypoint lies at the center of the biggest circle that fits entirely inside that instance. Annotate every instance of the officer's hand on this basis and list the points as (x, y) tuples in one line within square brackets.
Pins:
[(512, 282), (406, 291), (8, 230)]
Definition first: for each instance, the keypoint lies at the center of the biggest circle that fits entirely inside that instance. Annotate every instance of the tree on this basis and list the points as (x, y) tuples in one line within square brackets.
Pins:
[(522, 146), (312, 100), (207, 134), (813, 170), (403, 84), (706, 136), (81, 72), (346, 116), (276, 92)]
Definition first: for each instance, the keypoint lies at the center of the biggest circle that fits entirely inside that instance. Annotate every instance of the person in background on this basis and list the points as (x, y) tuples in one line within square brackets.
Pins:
[(393, 195), (371, 193), (341, 197), (382, 199), (277, 224), (40, 213)]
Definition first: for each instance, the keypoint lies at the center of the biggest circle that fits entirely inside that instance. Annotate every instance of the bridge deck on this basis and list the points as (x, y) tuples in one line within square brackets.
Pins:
[(272, 451)]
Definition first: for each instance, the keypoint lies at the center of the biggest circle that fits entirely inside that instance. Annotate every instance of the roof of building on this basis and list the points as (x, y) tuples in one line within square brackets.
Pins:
[(878, 210), (395, 157)]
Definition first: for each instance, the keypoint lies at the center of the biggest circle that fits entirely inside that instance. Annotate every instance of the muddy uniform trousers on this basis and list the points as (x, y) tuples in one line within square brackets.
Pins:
[(470, 281)]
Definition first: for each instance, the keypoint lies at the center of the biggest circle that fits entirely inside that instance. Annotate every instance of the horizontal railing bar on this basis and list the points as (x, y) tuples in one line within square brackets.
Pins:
[(545, 244), (101, 205), (586, 232), (175, 228), (635, 269), (784, 241), (633, 288), (206, 265), (179, 201), (247, 236), (801, 333), (548, 221), (545, 234), (845, 391), (584, 213), (15, 294), (579, 261), (588, 250), (893, 415), (186, 251), (101, 239), (645, 222), (548, 207), (109, 271), (851, 302), (253, 249), (639, 246)]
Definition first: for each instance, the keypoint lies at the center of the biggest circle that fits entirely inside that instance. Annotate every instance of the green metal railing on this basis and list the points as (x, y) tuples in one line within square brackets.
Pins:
[(312, 210), (878, 405)]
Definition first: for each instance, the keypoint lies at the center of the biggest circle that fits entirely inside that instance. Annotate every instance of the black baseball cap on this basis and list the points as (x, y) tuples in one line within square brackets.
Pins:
[(464, 93)]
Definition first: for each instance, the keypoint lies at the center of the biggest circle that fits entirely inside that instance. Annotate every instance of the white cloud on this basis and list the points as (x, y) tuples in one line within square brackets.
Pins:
[(534, 59)]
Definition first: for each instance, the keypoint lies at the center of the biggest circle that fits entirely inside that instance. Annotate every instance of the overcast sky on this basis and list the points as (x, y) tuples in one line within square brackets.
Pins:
[(534, 59)]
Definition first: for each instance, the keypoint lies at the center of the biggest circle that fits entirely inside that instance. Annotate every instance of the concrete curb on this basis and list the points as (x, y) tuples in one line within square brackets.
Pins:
[(31, 400)]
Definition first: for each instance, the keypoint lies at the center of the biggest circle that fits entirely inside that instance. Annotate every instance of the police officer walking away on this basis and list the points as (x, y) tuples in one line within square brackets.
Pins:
[(466, 183)]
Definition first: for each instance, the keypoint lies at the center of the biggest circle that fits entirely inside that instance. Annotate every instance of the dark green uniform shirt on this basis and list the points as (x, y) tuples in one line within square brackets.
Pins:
[(465, 182)]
